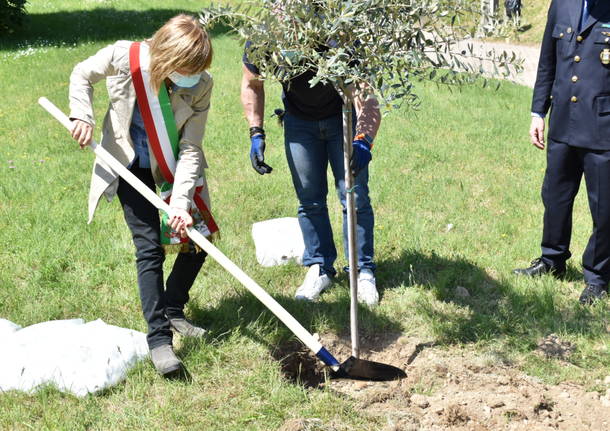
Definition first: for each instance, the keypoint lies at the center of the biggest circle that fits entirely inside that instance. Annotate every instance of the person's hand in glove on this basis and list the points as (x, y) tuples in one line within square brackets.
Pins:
[(361, 153), (257, 151)]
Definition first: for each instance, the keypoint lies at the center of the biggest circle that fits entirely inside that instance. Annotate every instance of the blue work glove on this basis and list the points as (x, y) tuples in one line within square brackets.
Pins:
[(257, 151), (361, 154)]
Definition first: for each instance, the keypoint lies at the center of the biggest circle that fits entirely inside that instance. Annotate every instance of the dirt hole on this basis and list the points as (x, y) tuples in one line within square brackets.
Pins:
[(299, 365)]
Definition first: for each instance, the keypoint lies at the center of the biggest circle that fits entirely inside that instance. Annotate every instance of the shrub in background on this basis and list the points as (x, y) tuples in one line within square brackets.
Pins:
[(11, 15)]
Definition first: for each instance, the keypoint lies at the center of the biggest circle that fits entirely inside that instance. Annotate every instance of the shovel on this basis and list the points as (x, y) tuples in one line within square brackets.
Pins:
[(352, 368)]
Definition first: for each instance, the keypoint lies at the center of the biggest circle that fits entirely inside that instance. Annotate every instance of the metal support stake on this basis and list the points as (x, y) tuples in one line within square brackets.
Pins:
[(351, 221)]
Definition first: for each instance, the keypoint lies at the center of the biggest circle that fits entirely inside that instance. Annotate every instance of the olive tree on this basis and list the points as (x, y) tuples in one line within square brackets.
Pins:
[(379, 47)]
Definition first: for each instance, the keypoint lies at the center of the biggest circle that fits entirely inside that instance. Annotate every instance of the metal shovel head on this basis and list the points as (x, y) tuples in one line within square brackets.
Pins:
[(361, 369)]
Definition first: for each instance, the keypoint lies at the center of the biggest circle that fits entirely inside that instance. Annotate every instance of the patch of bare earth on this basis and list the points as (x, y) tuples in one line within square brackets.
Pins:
[(455, 390)]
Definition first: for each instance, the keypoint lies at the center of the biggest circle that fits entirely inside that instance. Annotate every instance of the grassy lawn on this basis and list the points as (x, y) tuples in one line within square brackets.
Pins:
[(462, 159), (534, 13), (533, 20)]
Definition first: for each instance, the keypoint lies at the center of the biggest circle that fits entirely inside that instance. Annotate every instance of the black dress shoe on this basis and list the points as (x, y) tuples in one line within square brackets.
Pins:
[(538, 267), (592, 293)]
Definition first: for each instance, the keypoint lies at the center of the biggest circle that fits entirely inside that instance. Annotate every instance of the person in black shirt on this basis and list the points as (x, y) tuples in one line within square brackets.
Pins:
[(313, 139)]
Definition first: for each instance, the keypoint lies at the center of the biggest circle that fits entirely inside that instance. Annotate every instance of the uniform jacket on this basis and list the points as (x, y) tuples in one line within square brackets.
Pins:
[(190, 106), (572, 81)]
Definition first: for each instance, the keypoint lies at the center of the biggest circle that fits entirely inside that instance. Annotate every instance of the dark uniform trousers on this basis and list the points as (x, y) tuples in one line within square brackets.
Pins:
[(573, 82), (565, 167)]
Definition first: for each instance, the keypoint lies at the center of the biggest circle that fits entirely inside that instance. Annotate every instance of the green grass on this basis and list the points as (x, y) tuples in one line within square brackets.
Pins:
[(533, 21), (462, 159), (534, 13)]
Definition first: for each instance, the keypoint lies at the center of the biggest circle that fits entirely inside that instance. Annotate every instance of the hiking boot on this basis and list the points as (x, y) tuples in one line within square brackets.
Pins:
[(186, 328), (315, 282), (165, 360), (367, 289)]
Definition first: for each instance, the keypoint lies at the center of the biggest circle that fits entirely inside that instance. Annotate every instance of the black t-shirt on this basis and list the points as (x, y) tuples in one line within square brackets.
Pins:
[(309, 103)]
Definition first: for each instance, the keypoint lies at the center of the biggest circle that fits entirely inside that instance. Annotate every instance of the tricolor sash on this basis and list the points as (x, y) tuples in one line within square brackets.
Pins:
[(163, 140)]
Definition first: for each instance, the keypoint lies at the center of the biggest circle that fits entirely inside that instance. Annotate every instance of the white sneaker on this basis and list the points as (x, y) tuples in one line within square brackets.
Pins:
[(367, 290), (313, 284)]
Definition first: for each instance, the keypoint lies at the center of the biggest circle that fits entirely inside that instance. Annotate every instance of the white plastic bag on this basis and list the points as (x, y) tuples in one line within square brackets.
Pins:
[(278, 241), (72, 355), (7, 328)]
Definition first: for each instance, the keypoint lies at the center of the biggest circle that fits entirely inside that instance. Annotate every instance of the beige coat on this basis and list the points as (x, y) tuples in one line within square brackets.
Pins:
[(190, 106)]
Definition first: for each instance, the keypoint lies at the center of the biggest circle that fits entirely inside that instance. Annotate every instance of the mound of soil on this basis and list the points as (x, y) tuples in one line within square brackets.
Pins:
[(552, 347), (454, 390)]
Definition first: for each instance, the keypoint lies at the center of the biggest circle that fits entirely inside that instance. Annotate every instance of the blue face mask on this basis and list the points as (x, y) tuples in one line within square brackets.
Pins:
[(184, 81)]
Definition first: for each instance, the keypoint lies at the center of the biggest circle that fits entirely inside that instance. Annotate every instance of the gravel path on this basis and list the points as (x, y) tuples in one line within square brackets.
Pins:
[(528, 53)]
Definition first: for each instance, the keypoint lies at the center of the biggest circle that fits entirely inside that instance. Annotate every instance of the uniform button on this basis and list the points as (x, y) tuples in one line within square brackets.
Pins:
[(574, 99), (579, 38), (560, 34), (577, 59), (574, 78), (607, 39), (569, 30)]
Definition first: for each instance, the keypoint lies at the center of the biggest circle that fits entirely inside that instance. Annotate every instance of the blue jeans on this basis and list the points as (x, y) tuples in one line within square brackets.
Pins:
[(310, 147)]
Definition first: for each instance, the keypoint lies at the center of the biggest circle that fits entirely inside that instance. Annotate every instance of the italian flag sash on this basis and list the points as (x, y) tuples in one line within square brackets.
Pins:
[(163, 140)]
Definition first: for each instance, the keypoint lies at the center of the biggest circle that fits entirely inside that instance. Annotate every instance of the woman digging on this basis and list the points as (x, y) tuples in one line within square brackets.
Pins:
[(159, 101)]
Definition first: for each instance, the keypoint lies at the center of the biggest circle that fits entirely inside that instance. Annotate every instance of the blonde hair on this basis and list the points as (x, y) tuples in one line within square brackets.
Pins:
[(180, 44)]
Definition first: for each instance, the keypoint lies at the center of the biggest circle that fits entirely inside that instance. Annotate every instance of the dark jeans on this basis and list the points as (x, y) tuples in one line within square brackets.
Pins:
[(159, 303), (310, 147), (565, 168)]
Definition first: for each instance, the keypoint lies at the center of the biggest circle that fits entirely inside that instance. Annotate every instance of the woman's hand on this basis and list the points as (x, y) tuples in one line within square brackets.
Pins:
[(82, 132), (179, 220)]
